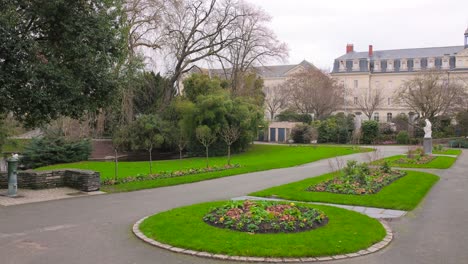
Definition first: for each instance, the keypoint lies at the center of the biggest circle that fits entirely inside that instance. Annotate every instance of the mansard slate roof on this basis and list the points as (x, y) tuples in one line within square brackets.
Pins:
[(276, 71), (396, 55)]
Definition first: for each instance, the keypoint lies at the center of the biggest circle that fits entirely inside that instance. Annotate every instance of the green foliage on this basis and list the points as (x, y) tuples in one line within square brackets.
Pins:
[(293, 116), (146, 132), (402, 137), (47, 151), (200, 84), (302, 133), (335, 129), (57, 58), (3, 134), (217, 110), (149, 93), (462, 120), (370, 131)]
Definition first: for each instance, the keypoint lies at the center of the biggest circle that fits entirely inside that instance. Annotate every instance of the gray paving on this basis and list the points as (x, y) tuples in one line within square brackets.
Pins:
[(97, 229), (379, 213)]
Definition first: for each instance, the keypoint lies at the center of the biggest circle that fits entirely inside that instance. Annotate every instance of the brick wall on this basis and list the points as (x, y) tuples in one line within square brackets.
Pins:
[(83, 180)]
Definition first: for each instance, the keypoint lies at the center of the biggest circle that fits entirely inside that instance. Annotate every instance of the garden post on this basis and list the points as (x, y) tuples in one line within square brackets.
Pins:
[(12, 176)]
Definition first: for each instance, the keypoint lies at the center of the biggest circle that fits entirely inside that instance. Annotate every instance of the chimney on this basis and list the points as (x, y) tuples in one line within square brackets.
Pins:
[(349, 48), (371, 51)]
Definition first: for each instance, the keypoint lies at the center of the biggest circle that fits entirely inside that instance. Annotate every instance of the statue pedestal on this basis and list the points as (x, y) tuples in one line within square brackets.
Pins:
[(427, 145)]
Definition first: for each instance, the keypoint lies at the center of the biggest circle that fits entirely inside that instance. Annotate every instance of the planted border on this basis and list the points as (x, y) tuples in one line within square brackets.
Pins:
[(346, 232), (438, 162), (403, 194)]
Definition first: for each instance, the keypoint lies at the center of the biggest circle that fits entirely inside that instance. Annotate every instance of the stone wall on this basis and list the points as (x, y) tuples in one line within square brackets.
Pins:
[(83, 180)]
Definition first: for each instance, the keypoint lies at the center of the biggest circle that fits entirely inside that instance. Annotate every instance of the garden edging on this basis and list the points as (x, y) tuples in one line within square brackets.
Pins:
[(374, 248)]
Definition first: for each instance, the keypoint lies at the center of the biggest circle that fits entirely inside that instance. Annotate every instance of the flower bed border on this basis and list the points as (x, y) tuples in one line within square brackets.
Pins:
[(374, 248), (169, 174)]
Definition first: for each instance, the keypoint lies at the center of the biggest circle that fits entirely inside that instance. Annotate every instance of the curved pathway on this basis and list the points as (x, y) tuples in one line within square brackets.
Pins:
[(97, 229)]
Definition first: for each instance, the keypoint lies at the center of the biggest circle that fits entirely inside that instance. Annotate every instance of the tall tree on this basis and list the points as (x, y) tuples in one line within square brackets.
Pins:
[(58, 57), (368, 103), (431, 93), (313, 91), (195, 30), (254, 44)]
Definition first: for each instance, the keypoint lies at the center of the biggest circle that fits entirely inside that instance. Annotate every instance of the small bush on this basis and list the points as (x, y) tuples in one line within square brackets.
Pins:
[(370, 131), (303, 133), (402, 137), (47, 151)]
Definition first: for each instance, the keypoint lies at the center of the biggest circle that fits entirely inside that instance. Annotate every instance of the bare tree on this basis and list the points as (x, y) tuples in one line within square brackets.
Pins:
[(276, 98), (144, 24), (195, 30), (230, 134), (369, 102), (254, 44), (431, 93), (313, 91)]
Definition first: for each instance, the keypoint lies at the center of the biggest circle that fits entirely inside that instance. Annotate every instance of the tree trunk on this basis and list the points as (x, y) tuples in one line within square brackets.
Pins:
[(207, 165), (180, 153), (116, 160), (151, 160), (229, 154)]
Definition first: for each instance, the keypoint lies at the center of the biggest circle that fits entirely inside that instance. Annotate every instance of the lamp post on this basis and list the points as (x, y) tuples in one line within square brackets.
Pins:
[(12, 175)]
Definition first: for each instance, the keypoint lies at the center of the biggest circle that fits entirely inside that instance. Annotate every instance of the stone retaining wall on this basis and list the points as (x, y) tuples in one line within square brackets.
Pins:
[(83, 180)]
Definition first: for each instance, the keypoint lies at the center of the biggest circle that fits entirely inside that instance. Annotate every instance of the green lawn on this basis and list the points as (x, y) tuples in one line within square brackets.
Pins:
[(440, 162), (448, 152), (258, 158), (184, 227), (403, 194)]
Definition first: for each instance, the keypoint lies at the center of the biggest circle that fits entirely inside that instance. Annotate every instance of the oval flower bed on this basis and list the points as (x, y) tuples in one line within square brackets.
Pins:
[(345, 232), (359, 179), (265, 217)]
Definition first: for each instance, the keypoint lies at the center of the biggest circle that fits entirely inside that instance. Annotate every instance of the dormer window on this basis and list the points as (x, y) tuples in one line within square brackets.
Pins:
[(377, 67), (404, 65), (417, 64), (342, 66), (390, 65), (445, 62), (356, 65), (430, 63)]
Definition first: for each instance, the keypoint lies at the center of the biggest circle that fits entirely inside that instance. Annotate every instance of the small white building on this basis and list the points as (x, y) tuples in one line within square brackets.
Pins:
[(279, 131)]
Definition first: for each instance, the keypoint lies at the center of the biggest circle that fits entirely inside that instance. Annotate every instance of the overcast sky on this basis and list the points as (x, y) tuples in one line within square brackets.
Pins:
[(318, 31)]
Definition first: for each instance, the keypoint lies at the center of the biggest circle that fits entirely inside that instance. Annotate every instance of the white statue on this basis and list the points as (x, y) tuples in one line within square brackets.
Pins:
[(428, 129)]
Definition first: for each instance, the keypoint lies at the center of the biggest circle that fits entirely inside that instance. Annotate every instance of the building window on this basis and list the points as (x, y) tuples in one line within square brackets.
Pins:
[(389, 117), (356, 84), (389, 101), (430, 63), (445, 63), (417, 64), (376, 117), (355, 101)]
